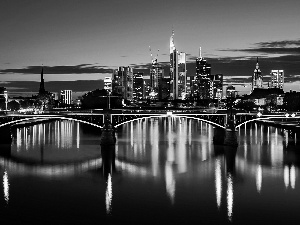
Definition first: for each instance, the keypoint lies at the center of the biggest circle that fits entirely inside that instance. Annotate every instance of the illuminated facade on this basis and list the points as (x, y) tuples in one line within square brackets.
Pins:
[(177, 72), (156, 75), (277, 79), (108, 84), (216, 86), (66, 97), (202, 84), (138, 86), (173, 68), (147, 89), (182, 92), (257, 79), (123, 82)]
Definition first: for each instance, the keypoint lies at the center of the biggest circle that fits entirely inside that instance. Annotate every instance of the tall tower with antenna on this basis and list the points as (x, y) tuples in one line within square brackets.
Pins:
[(156, 75), (173, 68), (201, 87)]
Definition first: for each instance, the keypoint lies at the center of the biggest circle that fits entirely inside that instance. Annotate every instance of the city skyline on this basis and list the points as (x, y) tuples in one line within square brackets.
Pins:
[(79, 43)]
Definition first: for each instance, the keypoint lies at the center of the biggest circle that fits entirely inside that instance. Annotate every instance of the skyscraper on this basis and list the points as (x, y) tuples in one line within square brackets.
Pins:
[(138, 86), (173, 68), (156, 75), (216, 86), (257, 79), (182, 76), (66, 97), (277, 79), (177, 71), (123, 82), (201, 85)]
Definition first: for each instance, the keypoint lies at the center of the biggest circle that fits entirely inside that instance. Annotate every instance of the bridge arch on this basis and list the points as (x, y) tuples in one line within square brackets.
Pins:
[(266, 119), (48, 117), (82, 121), (173, 115), (140, 118)]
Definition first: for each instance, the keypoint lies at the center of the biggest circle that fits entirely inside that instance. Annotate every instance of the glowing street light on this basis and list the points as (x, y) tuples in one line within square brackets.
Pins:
[(169, 113)]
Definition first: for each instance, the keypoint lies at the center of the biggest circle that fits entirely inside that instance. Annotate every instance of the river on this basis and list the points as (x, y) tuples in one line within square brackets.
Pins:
[(161, 171)]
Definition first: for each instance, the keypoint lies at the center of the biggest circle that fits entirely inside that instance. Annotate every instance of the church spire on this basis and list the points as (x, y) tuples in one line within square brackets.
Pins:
[(42, 85)]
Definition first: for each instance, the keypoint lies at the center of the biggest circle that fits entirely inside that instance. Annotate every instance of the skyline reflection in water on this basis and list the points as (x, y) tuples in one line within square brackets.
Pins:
[(165, 166)]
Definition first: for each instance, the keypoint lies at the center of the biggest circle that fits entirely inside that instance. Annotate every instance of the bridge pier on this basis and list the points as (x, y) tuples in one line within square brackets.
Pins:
[(108, 136), (227, 137), (230, 134), (230, 138), (5, 135), (219, 136)]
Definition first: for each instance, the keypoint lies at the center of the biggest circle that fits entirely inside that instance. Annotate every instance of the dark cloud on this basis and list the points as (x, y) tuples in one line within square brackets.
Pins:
[(269, 50), (55, 86), (192, 58), (77, 69), (279, 44), (291, 47)]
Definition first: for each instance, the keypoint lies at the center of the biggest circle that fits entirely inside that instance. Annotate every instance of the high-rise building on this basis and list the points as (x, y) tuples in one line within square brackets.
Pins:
[(277, 79), (173, 68), (156, 75), (66, 97), (201, 84), (138, 86), (129, 83), (202, 67), (147, 88), (123, 82), (216, 86), (108, 84), (177, 71), (165, 88), (182, 92), (257, 79)]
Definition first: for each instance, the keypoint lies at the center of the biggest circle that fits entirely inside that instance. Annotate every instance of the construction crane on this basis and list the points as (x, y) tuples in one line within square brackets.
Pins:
[(151, 53), (152, 60)]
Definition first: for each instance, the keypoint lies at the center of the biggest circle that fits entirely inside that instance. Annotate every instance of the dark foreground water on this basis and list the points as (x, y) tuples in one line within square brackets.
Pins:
[(161, 171)]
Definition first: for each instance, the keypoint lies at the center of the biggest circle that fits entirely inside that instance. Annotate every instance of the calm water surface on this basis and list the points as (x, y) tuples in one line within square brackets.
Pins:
[(161, 171)]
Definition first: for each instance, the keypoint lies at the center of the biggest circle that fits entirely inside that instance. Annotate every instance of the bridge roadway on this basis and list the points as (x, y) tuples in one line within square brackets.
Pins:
[(120, 117)]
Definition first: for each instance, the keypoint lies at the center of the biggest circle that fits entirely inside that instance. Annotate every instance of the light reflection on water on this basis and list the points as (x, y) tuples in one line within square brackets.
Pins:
[(6, 187), (177, 160)]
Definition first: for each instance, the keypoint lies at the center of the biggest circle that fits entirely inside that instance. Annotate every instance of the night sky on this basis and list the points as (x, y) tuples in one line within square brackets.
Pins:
[(79, 40)]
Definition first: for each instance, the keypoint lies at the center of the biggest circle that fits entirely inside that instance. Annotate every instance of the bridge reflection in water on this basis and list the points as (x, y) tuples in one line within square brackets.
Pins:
[(176, 152)]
